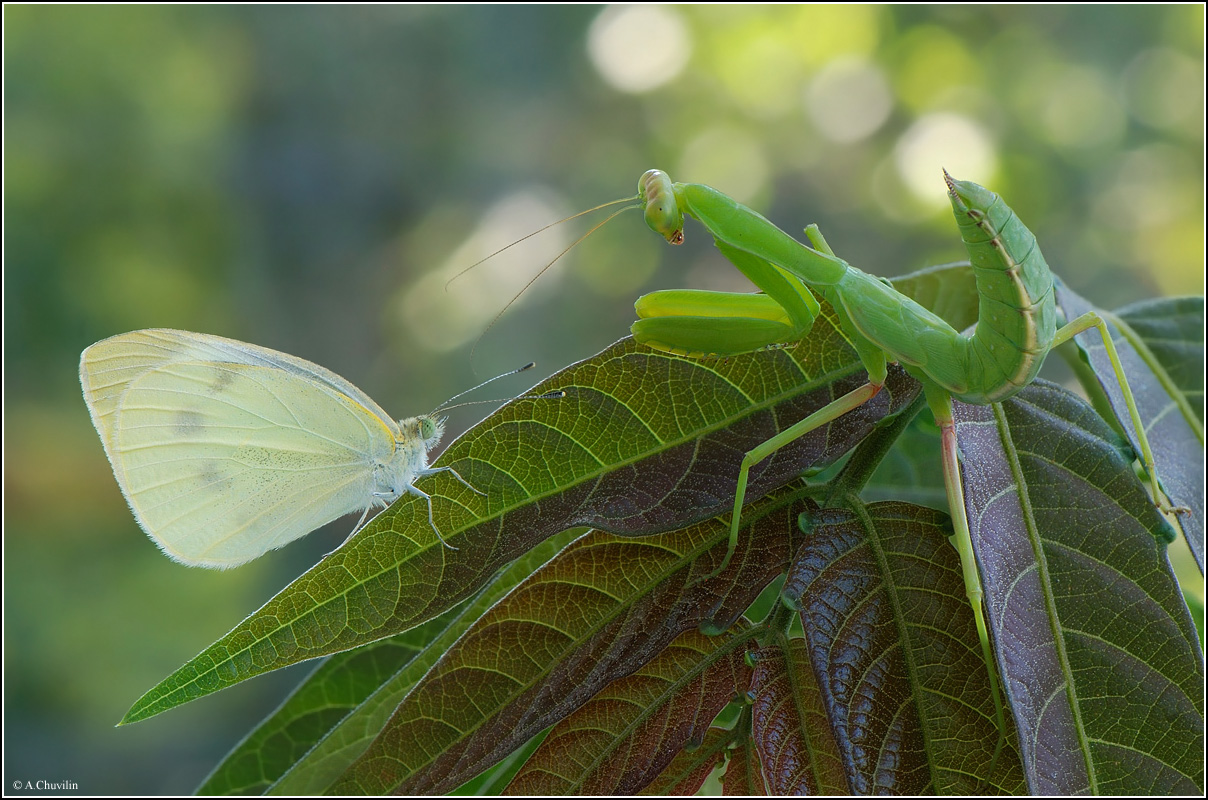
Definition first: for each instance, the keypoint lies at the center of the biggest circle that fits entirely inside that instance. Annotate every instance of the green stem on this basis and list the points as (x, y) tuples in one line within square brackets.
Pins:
[(868, 456)]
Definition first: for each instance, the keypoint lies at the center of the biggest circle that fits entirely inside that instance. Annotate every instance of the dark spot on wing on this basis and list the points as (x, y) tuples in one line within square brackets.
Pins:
[(224, 378), (189, 423), (211, 478)]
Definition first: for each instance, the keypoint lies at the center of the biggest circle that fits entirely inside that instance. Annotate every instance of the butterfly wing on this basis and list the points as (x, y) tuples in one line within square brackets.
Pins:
[(226, 450)]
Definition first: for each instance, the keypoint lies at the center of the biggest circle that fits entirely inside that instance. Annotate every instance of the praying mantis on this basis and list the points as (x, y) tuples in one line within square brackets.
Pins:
[(1018, 326)]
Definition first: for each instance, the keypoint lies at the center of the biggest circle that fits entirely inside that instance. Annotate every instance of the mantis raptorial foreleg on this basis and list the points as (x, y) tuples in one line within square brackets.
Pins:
[(687, 321), (1017, 327)]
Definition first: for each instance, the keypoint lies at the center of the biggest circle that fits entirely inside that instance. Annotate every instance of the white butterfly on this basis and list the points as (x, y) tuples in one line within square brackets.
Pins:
[(225, 450)]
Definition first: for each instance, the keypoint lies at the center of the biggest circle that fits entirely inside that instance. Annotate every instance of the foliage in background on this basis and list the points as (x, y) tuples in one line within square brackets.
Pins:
[(309, 178)]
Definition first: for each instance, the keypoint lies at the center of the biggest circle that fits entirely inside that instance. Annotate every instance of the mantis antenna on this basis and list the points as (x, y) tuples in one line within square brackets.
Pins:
[(634, 202)]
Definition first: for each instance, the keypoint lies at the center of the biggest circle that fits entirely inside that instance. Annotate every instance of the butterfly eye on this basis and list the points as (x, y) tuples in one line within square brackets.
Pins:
[(427, 428)]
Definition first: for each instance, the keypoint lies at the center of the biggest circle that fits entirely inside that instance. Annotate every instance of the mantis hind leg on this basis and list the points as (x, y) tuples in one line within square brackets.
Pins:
[(1092, 320), (941, 406)]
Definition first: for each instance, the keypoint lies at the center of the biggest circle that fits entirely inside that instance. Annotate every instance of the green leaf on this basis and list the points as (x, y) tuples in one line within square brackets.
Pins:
[(643, 442), (336, 686), (1172, 331), (1100, 660), (887, 690), (910, 470), (337, 711)]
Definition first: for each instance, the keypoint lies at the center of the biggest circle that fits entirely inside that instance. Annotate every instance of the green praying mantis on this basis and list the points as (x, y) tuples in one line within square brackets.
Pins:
[(1017, 327), (1017, 316)]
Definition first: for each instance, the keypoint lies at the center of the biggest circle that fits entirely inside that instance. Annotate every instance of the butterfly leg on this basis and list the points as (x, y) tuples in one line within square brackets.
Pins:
[(453, 472), (355, 528), (431, 521)]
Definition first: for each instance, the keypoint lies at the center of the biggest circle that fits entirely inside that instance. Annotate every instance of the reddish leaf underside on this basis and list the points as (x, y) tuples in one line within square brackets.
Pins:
[(791, 731), (895, 653), (630, 731)]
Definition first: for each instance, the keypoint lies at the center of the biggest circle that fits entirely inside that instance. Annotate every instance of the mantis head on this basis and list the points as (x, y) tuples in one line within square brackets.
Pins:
[(663, 213)]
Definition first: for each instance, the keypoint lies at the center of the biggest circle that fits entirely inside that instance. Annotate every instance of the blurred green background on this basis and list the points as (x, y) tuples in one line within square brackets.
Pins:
[(309, 179)]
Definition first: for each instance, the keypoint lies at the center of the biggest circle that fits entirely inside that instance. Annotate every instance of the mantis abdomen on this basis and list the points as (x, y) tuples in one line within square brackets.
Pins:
[(1017, 313)]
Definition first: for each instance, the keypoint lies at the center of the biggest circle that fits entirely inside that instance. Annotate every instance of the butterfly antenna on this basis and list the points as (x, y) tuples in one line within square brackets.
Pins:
[(541, 272), (534, 233), (557, 394), (446, 405)]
